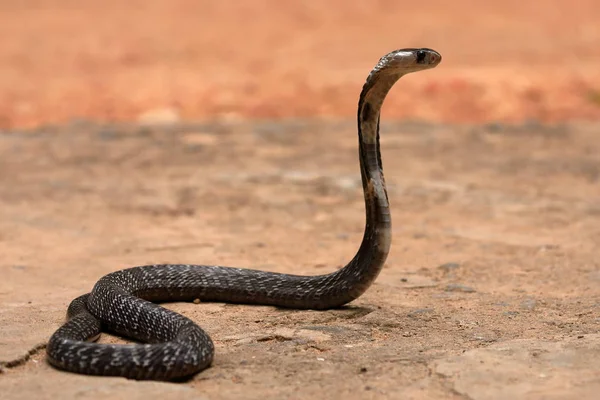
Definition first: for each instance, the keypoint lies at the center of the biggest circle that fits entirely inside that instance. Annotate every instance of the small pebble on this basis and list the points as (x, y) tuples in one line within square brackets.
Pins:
[(548, 247), (528, 304), (159, 116), (457, 287), (449, 267), (419, 311), (196, 301)]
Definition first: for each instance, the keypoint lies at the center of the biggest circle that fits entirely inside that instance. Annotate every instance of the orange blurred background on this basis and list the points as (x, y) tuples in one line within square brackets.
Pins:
[(199, 59)]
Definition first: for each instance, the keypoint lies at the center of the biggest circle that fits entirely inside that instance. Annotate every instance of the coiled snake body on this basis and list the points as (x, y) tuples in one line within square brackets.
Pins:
[(124, 301)]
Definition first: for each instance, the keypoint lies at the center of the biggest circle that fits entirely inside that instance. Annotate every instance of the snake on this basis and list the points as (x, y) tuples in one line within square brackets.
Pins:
[(168, 346)]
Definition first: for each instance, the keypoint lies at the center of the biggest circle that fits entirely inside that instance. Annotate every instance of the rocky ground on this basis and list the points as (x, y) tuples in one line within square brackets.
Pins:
[(492, 286), (491, 289)]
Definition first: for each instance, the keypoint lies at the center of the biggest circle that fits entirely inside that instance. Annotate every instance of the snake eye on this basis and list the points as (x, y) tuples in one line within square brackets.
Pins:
[(421, 54)]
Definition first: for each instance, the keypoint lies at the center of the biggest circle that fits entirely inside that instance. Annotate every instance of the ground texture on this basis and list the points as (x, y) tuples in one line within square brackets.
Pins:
[(503, 60), (492, 287)]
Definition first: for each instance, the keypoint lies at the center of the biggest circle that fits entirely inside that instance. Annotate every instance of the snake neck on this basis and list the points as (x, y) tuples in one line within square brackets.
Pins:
[(369, 109), (375, 246)]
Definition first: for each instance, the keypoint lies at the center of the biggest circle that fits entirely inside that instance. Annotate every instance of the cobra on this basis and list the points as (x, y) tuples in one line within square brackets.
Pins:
[(173, 346)]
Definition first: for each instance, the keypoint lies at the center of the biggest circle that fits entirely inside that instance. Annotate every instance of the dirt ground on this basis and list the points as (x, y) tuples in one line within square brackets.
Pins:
[(504, 60), (225, 135)]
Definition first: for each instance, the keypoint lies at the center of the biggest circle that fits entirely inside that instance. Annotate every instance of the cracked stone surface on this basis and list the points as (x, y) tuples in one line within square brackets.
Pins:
[(66, 386), (512, 217), (527, 369)]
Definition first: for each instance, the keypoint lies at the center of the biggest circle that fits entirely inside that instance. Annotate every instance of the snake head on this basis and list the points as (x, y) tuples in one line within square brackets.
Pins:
[(404, 61)]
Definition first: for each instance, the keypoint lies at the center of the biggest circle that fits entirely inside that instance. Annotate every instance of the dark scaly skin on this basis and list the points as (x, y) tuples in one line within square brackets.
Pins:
[(123, 301)]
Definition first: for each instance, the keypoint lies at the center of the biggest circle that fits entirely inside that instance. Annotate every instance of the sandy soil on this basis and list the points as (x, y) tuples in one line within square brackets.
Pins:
[(503, 60), (492, 287)]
